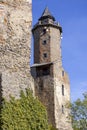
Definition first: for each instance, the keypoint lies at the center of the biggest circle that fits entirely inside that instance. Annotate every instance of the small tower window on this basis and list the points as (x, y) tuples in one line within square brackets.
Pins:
[(63, 90), (44, 42), (62, 109), (44, 30), (45, 55)]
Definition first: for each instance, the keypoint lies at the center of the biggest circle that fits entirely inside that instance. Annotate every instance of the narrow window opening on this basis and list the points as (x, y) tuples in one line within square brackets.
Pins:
[(44, 42), (62, 109), (44, 30), (62, 73), (45, 55), (63, 90)]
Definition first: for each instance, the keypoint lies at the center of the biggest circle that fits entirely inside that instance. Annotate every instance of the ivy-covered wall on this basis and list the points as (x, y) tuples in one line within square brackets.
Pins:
[(26, 113)]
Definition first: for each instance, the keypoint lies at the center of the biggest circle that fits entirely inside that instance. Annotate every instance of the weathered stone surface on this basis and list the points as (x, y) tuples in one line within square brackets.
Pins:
[(62, 114), (15, 45), (44, 90), (49, 90), (51, 81)]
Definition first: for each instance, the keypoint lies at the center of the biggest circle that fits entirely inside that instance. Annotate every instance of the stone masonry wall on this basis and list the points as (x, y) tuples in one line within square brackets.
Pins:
[(55, 46), (49, 88), (40, 47), (61, 99), (15, 42), (49, 91), (44, 90)]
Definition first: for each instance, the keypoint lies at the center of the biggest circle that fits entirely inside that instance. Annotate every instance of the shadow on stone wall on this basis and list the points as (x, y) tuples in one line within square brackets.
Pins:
[(0, 96), (0, 88)]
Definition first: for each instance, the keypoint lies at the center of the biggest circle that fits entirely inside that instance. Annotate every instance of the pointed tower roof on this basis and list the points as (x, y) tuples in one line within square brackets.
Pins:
[(46, 14)]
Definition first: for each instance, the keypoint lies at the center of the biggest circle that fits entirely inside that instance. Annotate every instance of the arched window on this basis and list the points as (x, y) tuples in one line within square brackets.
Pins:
[(63, 90)]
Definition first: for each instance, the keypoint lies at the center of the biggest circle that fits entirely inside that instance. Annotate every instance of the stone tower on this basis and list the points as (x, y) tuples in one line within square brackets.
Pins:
[(51, 81), (15, 40)]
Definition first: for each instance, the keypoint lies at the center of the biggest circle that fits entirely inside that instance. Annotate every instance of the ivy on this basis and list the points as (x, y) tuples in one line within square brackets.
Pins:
[(26, 113)]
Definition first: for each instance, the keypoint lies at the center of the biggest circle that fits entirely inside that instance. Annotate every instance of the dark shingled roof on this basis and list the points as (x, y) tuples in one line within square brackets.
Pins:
[(46, 14), (41, 64)]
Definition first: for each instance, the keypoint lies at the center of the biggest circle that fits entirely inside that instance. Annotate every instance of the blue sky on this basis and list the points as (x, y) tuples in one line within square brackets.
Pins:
[(72, 16)]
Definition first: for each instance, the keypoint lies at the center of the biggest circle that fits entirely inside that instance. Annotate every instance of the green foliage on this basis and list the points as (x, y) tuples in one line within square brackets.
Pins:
[(26, 113), (52, 128), (79, 113)]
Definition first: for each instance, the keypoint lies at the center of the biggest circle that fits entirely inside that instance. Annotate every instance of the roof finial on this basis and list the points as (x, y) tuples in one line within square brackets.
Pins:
[(46, 13)]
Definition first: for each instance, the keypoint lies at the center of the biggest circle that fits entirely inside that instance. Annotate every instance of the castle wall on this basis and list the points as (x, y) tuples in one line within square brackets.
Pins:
[(49, 91), (15, 45), (44, 90), (61, 100), (55, 46), (40, 47), (52, 90)]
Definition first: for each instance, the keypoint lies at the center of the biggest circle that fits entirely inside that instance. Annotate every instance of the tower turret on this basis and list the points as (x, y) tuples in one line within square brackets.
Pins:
[(47, 38)]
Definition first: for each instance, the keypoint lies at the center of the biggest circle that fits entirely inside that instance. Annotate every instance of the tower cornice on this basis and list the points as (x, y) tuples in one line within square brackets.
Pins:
[(55, 25)]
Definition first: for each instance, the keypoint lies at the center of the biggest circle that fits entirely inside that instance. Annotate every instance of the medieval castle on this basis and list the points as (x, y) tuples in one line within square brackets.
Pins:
[(46, 77)]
